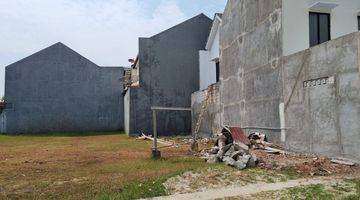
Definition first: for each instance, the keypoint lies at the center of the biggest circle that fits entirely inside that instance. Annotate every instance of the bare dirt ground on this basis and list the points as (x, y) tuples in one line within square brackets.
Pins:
[(273, 168), (303, 164), (118, 167), (83, 167), (274, 175)]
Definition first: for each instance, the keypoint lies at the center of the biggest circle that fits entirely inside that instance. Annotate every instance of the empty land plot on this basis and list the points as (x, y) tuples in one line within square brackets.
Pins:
[(90, 167), (114, 166)]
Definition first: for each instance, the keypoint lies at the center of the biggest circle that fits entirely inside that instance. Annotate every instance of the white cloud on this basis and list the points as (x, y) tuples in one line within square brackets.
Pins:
[(105, 31), (166, 13)]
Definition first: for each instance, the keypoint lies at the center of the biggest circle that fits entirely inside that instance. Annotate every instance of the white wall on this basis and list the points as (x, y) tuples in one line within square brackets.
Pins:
[(215, 48), (127, 112), (209, 57), (207, 70), (296, 22)]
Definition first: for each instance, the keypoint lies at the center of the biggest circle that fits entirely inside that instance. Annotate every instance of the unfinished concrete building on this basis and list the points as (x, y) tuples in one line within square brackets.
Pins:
[(58, 90), (165, 74), (209, 67), (307, 99)]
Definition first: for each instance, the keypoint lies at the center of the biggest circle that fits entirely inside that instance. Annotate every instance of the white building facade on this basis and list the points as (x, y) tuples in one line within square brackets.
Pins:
[(306, 23), (209, 58)]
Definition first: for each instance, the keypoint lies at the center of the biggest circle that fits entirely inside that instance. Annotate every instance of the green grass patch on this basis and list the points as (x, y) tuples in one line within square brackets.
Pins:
[(137, 190), (290, 173), (355, 196), (152, 166), (310, 192), (66, 134), (345, 190), (123, 143), (270, 176)]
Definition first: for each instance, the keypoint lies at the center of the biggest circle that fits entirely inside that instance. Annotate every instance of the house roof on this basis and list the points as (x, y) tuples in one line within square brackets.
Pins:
[(201, 15), (61, 47), (214, 29)]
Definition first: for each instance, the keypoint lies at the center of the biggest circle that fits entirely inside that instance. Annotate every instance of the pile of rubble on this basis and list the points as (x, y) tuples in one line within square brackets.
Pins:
[(235, 149), (236, 155), (232, 153)]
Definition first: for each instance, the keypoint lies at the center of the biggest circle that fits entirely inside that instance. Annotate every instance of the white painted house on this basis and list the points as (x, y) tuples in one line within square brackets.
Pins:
[(307, 23), (209, 58)]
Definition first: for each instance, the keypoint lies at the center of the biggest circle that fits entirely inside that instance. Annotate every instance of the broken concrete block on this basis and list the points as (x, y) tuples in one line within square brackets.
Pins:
[(227, 147), (229, 161), (244, 159), (220, 154), (223, 150), (252, 162), (236, 154), (230, 151), (214, 150), (240, 165), (212, 159), (241, 146), (221, 141)]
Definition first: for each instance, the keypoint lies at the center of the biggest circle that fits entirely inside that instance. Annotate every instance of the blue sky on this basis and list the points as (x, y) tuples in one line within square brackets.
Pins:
[(192, 7), (104, 31)]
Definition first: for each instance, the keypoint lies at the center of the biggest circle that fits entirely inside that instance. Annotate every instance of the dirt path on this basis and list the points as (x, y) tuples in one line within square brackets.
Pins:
[(247, 190)]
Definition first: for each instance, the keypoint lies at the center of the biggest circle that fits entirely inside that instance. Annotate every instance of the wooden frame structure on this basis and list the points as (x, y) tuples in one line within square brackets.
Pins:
[(155, 151)]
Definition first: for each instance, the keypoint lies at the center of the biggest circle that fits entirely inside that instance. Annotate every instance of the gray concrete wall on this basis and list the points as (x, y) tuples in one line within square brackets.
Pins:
[(210, 124), (256, 78), (169, 74), (58, 90), (251, 45), (322, 115)]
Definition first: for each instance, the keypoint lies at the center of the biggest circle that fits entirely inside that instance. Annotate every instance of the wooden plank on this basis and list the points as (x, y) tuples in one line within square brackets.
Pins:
[(170, 108), (342, 162)]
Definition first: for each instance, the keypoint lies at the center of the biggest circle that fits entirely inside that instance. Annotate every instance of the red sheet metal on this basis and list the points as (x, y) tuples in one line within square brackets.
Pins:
[(239, 135)]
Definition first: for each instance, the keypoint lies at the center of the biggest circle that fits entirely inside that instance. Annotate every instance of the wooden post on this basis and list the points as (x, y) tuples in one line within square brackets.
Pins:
[(155, 152), (154, 130)]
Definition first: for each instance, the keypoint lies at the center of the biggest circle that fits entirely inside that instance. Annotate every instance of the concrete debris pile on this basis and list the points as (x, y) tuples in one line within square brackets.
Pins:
[(323, 166), (203, 141), (230, 152)]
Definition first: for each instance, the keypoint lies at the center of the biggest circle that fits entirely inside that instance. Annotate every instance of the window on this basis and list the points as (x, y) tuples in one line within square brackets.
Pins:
[(217, 71), (319, 28), (359, 23)]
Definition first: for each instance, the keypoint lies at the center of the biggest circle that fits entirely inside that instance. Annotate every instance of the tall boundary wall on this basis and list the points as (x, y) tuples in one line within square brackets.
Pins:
[(322, 98), (262, 90)]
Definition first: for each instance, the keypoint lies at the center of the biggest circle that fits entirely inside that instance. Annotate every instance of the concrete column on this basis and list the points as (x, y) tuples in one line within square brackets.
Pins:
[(282, 121)]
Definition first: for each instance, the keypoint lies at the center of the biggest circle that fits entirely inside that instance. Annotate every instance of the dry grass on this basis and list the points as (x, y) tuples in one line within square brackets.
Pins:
[(42, 167), (347, 189)]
